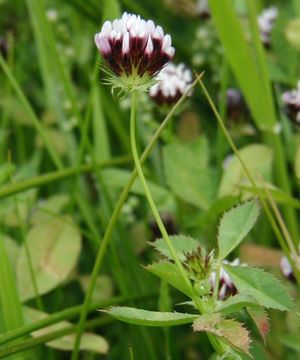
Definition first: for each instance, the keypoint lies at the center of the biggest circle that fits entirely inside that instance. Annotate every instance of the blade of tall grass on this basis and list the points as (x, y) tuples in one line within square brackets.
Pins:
[(243, 64), (11, 309)]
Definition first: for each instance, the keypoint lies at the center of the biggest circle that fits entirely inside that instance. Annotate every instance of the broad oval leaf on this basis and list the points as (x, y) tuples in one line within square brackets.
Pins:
[(150, 318), (181, 243), (234, 174), (54, 247), (262, 286), (89, 341), (235, 225)]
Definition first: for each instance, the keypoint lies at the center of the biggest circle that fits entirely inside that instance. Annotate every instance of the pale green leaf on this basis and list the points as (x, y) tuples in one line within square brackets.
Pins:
[(54, 248), (292, 33), (234, 175), (262, 286), (235, 225), (150, 318), (89, 341), (50, 208)]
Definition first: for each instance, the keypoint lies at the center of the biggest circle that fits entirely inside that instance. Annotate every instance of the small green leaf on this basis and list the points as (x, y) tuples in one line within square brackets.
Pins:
[(262, 286), (235, 303), (182, 244), (150, 318), (235, 225), (230, 330), (54, 247), (169, 272)]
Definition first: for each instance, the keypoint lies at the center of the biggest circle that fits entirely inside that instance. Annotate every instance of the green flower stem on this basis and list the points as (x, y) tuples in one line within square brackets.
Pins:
[(151, 201), (215, 343), (40, 340), (66, 314), (114, 217), (244, 167)]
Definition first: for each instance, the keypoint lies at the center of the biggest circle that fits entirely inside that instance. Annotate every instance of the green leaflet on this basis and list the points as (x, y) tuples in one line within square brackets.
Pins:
[(150, 318), (262, 286), (170, 273), (182, 244), (235, 225)]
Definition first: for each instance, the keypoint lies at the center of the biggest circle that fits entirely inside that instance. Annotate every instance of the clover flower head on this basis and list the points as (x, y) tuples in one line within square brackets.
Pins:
[(226, 285), (265, 24), (286, 268), (173, 82), (203, 9), (235, 104), (134, 49), (291, 101), (3, 47)]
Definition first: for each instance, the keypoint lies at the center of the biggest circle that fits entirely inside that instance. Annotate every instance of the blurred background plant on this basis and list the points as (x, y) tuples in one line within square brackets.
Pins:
[(65, 158)]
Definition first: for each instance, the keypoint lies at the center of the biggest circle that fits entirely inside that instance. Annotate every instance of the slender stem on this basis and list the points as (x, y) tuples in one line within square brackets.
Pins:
[(150, 199), (245, 169), (215, 343), (113, 220), (286, 233)]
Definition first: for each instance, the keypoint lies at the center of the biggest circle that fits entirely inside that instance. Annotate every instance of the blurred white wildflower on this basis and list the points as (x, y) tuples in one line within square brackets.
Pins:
[(266, 22), (173, 82)]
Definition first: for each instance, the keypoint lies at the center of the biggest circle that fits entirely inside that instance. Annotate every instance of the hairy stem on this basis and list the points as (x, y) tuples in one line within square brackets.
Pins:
[(215, 343), (113, 220)]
